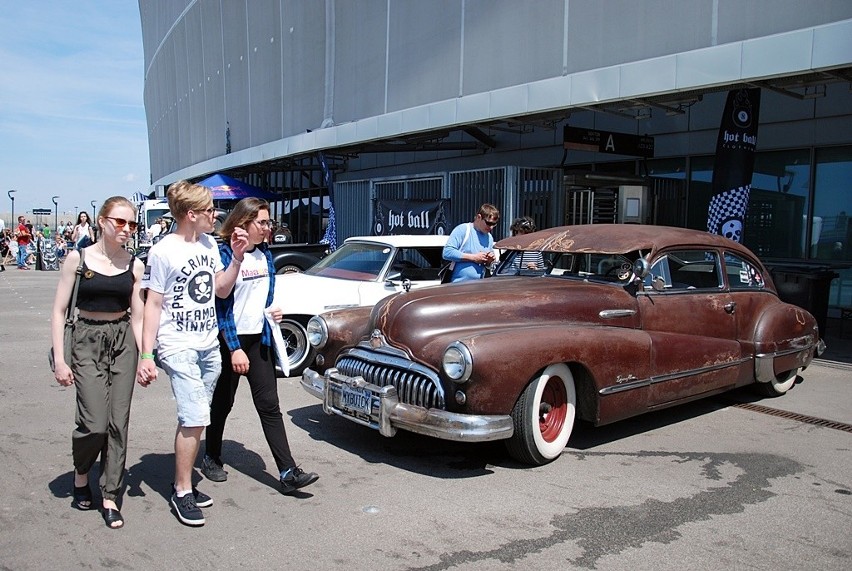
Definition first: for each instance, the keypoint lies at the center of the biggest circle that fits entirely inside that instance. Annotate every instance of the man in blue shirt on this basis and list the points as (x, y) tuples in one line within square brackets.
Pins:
[(470, 246)]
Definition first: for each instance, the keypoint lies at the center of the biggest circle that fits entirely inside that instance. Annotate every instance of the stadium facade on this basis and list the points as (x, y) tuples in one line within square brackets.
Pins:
[(467, 101)]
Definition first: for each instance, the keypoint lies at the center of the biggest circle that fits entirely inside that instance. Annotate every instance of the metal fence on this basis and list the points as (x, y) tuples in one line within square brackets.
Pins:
[(515, 191)]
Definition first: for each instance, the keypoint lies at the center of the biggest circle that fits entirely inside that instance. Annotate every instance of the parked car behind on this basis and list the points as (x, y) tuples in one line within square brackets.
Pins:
[(287, 257), (625, 319), (360, 273)]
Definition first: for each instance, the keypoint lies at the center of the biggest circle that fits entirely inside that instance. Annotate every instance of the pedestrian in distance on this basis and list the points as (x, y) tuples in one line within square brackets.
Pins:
[(526, 260), (180, 317), (103, 354), (82, 234), (23, 237), (245, 337), (470, 247), (4, 245)]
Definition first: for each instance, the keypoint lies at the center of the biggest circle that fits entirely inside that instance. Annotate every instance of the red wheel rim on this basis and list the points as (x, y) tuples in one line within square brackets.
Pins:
[(553, 409)]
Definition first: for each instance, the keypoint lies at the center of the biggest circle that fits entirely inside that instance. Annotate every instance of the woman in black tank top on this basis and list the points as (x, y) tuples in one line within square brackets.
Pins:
[(103, 353)]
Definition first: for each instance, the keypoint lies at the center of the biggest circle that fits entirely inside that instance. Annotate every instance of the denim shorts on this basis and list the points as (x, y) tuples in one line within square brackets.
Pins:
[(193, 375)]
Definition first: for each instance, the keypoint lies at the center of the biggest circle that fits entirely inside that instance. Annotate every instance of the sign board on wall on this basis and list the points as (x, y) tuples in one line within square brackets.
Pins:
[(577, 139), (394, 217)]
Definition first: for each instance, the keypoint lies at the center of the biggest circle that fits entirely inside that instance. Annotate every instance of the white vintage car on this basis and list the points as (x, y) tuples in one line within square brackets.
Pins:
[(361, 272)]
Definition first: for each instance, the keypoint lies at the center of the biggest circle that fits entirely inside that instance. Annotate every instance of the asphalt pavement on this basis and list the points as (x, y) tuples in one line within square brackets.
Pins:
[(729, 482)]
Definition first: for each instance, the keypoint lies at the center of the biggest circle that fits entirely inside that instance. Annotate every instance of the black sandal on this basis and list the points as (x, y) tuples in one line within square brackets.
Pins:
[(112, 516), (82, 494)]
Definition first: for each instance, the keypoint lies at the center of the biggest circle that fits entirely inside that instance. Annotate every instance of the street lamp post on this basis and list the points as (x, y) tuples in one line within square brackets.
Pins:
[(94, 222), (11, 194), (55, 200)]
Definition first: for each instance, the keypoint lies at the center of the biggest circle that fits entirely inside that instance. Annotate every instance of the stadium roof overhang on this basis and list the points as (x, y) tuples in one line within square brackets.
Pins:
[(799, 64)]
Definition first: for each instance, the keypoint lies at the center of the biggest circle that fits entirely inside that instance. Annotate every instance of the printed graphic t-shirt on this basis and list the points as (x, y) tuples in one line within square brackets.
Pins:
[(183, 272), (250, 291)]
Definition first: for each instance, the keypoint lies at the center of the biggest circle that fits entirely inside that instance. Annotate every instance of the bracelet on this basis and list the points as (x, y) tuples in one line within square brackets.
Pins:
[(146, 355), (237, 261)]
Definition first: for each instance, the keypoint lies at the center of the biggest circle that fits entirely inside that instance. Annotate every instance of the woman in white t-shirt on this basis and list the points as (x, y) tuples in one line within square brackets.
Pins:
[(82, 234), (245, 341)]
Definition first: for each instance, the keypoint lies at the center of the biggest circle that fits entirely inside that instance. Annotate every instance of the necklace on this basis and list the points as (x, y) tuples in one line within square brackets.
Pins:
[(104, 252)]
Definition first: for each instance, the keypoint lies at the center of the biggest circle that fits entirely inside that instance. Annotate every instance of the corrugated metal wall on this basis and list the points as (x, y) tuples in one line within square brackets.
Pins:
[(271, 69), (515, 191)]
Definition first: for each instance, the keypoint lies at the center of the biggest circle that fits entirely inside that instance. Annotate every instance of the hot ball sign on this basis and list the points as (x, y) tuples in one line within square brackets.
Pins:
[(394, 217)]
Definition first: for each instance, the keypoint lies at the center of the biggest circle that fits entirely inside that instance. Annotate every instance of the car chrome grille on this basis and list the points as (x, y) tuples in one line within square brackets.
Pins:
[(415, 385)]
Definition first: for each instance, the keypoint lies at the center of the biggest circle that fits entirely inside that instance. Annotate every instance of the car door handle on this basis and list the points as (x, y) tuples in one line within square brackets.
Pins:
[(730, 307)]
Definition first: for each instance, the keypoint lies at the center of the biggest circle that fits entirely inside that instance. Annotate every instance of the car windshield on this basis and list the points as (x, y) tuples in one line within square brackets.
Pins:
[(366, 261), (354, 261), (617, 268)]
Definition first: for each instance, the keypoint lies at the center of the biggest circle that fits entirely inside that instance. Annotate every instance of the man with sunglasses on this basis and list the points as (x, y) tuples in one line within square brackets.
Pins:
[(470, 247)]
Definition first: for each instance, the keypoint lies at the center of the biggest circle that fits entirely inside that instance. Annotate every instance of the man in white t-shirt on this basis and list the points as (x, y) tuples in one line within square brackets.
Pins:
[(180, 317)]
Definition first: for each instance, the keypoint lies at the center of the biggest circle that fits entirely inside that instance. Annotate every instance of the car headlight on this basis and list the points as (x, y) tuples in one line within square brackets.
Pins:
[(457, 362), (317, 332)]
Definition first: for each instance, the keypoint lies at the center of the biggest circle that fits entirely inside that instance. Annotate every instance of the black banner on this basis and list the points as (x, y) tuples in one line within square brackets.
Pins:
[(393, 217), (734, 164)]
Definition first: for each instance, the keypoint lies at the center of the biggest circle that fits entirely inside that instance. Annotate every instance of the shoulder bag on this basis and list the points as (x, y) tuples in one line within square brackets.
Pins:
[(69, 320)]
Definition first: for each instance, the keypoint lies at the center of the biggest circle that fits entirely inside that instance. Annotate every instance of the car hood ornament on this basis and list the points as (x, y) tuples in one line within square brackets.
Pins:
[(376, 339)]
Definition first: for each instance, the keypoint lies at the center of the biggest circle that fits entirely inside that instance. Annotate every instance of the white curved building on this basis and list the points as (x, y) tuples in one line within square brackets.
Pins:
[(466, 101)]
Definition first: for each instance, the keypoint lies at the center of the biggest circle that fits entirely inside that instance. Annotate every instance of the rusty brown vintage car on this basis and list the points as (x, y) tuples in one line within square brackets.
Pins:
[(593, 322)]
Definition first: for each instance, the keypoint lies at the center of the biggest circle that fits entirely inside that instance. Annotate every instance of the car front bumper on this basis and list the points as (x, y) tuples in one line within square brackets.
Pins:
[(387, 414)]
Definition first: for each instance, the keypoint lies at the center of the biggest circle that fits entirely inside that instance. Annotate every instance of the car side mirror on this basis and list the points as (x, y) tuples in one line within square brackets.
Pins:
[(641, 268)]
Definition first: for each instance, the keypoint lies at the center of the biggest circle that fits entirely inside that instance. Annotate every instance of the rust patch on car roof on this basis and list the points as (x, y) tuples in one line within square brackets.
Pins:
[(614, 239)]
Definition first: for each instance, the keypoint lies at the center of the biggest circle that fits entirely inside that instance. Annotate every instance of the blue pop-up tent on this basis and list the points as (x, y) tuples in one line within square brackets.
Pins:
[(226, 188)]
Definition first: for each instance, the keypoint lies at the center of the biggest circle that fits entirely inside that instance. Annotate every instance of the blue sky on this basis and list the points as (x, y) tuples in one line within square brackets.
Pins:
[(72, 120)]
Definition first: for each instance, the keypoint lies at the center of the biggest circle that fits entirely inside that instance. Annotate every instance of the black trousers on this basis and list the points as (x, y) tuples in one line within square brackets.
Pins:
[(264, 393)]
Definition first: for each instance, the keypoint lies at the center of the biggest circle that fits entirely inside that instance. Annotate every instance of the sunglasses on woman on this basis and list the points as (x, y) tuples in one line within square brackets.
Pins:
[(120, 223)]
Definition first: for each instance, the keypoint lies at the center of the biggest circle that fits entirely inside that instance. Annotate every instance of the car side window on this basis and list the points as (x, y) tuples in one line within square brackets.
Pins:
[(694, 269), (416, 264), (742, 275), (659, 271)]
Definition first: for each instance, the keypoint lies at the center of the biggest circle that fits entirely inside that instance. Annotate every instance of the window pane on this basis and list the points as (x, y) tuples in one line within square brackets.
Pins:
[(777, 207), (776, 220), (832, 206), (700, 192), (741, 274), (694, 269)]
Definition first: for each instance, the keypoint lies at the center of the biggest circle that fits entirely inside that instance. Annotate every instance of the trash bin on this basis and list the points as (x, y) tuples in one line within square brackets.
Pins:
[(805, 286)]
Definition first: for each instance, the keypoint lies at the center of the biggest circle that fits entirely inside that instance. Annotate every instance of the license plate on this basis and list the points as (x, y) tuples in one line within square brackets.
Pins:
[(356, 400)]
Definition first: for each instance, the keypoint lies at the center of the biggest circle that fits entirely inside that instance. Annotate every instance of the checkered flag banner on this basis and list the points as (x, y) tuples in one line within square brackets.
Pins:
[(734, 164), (330, 236), (726, 213)]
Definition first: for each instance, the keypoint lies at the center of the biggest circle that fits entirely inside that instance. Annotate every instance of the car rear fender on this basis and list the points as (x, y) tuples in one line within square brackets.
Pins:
[(785, 338), (504, 362)]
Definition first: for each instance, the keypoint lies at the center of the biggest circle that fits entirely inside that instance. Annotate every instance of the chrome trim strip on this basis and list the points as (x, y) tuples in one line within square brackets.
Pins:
[(624, 387), (391, 357), (764, 363), (615, 313), (783, 353), (671, 376), (392, 414)]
